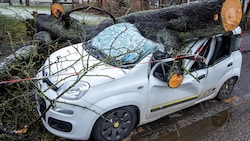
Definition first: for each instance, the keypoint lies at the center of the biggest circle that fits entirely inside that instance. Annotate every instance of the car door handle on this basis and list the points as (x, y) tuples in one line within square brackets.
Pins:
[(229, 64), (201, 76)]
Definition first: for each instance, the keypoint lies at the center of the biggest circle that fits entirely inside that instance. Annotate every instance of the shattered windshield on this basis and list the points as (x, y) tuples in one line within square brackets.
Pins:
[(121, 44)]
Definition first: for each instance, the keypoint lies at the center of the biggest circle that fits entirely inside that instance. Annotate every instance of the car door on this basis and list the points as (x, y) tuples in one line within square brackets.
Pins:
[(164, 100), (220, 66)]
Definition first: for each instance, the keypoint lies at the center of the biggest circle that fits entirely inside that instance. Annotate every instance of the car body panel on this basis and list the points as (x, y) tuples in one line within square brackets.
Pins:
[(162, 98), (130, 81)]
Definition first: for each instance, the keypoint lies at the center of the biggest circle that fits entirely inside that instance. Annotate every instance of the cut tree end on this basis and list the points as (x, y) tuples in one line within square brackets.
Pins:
[(231, 14), (56, 10)]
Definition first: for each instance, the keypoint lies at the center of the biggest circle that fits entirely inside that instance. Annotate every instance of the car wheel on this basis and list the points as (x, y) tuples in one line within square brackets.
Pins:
[(226, 89), (115, 125)]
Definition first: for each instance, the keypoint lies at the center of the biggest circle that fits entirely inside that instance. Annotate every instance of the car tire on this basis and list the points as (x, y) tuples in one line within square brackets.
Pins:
[(226, 89), (115, 125)]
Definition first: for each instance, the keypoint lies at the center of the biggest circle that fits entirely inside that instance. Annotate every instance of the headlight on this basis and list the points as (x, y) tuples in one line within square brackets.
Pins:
[(75, 91)]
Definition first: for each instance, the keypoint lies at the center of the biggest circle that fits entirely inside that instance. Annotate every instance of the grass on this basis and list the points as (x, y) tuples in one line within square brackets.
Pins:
[(13, 34), (16, 28), (17, 104)]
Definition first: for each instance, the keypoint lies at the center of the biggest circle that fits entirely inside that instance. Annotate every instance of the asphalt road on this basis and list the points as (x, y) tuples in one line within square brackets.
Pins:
[(238, 126)]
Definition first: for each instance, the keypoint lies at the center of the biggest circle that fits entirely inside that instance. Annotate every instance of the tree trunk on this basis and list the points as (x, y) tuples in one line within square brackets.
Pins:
[(248, 8), (195, 17), (173, 24), (10, 3), (180, 22), (24, 54), (145, 4), (244, 21), (27, 2), (18, 57)]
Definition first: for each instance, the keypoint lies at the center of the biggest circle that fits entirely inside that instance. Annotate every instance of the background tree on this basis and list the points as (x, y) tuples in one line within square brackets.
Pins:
[(10, 2), (122, 3), (246, 14), (247, 9), (27, 2), (99, 3), (145, 4)]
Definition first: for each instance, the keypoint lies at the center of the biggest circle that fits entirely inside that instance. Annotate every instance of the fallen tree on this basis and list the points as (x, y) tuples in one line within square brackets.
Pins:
[(170, 26), (16, 58), (20, 57), (174, 24)]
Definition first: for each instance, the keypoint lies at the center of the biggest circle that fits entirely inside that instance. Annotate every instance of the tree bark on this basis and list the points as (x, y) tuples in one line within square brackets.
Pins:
[(10, 3), (244, 21), (145, 4), (247, 9), (42, 41), (18, 57), (21, 2), (27, 2)]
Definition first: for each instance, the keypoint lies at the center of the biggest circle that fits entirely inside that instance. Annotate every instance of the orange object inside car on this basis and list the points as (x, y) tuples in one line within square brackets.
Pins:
[(175, 80)]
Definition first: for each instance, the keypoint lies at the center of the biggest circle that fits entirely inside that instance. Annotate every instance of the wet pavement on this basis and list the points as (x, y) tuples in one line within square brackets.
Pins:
[(246, 40)]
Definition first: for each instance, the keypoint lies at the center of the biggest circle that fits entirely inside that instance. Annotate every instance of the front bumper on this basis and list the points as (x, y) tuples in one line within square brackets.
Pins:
[(51, 121), (67, 121), (65, 118)]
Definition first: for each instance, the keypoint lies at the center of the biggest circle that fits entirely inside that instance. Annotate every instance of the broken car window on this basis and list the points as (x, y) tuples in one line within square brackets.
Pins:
[(122, 44), (161, 71), (222, 49), (204, 51), (236, 41)]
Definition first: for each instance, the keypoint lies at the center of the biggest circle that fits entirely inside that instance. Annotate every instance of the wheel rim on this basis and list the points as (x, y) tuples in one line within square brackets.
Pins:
[(117, 126), (227, 88)]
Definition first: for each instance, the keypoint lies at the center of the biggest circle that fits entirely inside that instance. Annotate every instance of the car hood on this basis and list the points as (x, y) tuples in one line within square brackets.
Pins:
[(73, 63)]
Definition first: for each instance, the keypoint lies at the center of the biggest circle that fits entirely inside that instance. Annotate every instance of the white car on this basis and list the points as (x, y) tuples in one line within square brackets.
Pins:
[(103, 88)]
